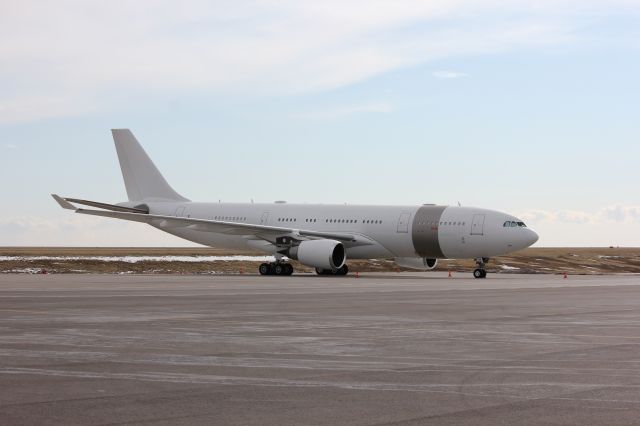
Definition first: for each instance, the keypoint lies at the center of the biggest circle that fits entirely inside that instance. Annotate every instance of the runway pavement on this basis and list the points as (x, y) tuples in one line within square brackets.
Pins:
[(392, 348)]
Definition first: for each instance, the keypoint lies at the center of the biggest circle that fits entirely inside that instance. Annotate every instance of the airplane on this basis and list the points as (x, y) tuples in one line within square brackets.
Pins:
[(317, 235)]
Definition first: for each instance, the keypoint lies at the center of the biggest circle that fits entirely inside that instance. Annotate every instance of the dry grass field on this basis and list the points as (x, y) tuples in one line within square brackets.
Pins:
[(79, 260)]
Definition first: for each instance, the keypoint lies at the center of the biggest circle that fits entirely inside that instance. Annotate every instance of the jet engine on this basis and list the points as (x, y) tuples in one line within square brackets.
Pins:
[(422, 263), (322, 254)]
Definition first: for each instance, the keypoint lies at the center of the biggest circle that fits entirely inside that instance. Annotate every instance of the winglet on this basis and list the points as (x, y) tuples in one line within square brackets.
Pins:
[(63, 203)]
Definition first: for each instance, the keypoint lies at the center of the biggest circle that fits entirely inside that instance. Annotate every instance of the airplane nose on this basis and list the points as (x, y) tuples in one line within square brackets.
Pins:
[(531, 237)]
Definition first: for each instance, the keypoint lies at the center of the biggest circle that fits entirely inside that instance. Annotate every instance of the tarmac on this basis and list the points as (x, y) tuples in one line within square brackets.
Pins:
[(401, 349)]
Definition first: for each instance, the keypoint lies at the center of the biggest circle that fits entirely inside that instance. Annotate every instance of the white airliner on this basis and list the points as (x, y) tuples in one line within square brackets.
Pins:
[(317, 235)]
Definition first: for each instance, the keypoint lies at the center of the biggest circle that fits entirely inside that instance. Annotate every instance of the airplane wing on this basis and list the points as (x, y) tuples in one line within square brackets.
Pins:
[(65, 203), (269, 233)]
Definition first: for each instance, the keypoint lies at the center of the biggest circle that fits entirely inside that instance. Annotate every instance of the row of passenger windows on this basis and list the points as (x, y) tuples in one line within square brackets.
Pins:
[(377, 222), (435, 223), (372, 221), (287, 219), (513, 224), (230, 218)]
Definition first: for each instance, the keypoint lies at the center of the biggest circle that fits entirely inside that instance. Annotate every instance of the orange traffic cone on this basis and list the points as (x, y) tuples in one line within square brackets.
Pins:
[(357, 274), (565, 275), (450, 276)]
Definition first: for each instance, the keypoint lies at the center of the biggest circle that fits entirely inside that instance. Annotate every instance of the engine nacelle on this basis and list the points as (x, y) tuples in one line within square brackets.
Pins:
[(322, 254), (421, 263)]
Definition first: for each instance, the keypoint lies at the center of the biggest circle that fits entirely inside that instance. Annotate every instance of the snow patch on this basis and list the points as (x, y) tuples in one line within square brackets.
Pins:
[(136, 259), (23, 271), (508, 268)]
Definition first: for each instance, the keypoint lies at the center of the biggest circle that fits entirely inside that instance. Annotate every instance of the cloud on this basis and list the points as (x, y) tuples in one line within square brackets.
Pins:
[(610, 214), (448, 74), (11, 146), (81, 231), (68, 57), (346, 110), (619, 213)]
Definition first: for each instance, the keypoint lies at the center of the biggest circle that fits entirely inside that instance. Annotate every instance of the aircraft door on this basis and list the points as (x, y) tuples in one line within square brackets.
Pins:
[(477, 225), (403, 223), (264, 218)]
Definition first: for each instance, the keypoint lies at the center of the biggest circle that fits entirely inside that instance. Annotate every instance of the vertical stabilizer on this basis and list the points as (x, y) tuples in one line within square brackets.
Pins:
[(141, 177)]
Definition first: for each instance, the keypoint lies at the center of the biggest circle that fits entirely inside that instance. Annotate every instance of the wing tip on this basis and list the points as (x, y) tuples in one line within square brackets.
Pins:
[(63, 203)]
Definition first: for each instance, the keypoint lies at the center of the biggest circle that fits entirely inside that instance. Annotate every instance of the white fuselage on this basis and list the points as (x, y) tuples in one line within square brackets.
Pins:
[(396, 231)]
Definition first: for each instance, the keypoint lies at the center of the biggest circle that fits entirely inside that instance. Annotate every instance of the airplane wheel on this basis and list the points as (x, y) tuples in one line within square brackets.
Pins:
[(264, 269), (289, 269), (484, 273), (344, 270), (479, 273), (320, 271), (279, 269)]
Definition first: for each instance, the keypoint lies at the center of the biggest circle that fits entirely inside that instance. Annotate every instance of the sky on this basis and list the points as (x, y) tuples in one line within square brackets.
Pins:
[(531, 108)]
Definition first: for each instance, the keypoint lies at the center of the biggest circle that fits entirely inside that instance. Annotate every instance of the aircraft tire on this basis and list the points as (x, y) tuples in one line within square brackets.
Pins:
[(289, 269), (479, 273), (264, 269)]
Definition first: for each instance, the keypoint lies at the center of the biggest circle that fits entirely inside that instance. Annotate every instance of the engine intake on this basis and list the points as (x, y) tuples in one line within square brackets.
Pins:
[(421, 263), (322, 254)]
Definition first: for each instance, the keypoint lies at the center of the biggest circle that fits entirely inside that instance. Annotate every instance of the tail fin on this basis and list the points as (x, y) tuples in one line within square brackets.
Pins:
[(141, 177)]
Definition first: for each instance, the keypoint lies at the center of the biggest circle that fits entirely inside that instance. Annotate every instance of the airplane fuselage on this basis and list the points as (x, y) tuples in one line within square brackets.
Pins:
[(427, 231)]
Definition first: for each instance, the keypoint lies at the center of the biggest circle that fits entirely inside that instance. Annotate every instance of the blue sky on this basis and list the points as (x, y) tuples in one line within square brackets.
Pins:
[(533, 110)]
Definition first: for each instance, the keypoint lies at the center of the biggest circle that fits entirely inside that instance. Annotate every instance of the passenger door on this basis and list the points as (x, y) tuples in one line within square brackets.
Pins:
[(403, 223), (264, 218), (477, 225)]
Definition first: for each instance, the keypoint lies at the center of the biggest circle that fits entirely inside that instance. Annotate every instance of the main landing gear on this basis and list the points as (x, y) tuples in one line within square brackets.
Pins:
[(344, 270), (480, 271), (275, 268)]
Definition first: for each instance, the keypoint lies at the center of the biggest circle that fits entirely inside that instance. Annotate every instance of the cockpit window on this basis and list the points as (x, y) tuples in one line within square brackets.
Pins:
[(513, 224)]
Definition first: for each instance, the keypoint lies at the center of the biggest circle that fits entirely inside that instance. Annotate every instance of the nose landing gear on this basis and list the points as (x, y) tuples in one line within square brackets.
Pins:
[(480, 271)]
